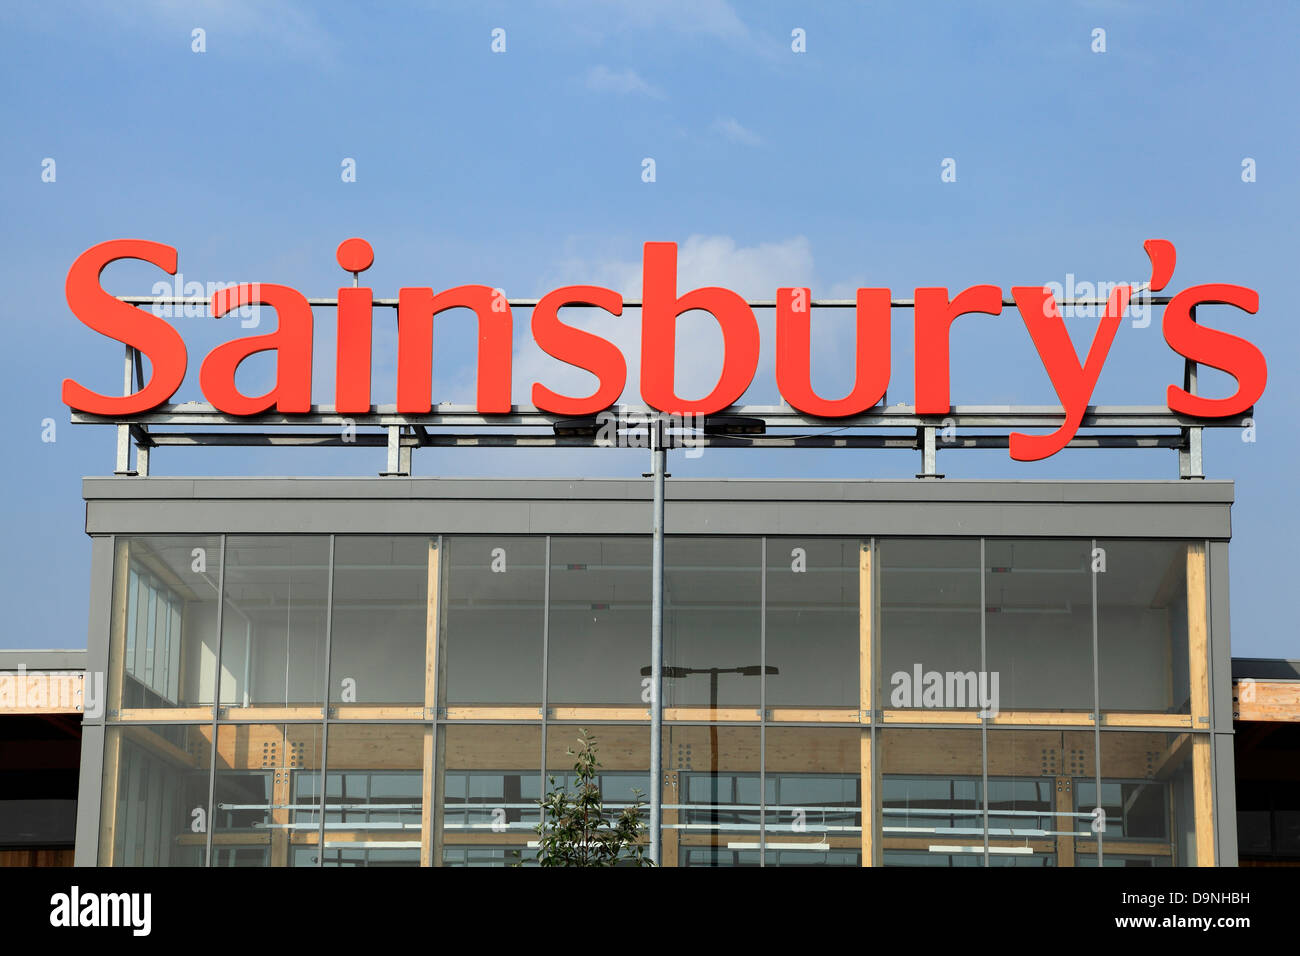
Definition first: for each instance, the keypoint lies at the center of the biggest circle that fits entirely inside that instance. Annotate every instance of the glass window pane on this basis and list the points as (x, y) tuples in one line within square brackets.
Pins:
[(491, 808), (813, 622), (1038, 593), (600, 620), (1148, 797), (380, 622), (711, 795), (814, 809), (273, 622), (155, 793), (929, 621), (266, 794), (931, 796), (374, 795), (492, 639), (163, 642), (712, 595), (1142, 627)]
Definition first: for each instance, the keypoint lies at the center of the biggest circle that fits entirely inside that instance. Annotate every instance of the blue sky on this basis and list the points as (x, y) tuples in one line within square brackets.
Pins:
[(522, 170)]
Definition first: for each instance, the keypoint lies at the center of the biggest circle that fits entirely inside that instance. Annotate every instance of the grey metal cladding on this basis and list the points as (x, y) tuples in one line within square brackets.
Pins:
[(1197, 509)]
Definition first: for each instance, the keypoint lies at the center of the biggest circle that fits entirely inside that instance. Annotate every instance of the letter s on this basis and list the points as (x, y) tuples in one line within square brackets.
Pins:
[(579, 348), (1217, 349), (109, 316)]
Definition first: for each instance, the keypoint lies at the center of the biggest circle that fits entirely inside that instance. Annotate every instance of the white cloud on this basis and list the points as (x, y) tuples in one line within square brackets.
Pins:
[(604, 80), (729, 127)]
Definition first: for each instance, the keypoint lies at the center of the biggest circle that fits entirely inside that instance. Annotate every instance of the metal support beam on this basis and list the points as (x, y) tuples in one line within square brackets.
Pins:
[(1190, 462), (925, 437), (399, 464), (658, 455)]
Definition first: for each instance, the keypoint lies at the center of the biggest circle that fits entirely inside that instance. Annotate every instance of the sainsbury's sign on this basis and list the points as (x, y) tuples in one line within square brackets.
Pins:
[(934, 312)]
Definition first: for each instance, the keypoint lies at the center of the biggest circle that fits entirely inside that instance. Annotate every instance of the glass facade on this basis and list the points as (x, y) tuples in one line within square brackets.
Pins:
[(406, 700)]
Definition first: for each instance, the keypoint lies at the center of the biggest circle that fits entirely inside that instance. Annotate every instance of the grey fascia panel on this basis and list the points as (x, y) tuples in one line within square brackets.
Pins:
[(728, 489), (620, 506), (89, 790), (1225, 799), (42, 660)]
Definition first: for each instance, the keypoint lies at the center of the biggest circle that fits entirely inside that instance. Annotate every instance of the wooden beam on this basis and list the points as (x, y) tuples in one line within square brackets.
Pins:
[(153, 715), (376, 712), (1266, 700), (281, 792), (494, 713), (1043, 718), (1172, 721), (866, 682), (109, 809), (1171, 761), (714, 715), (39, 692), (1203, 800), (271, 714), (117, 627), (1064, 803), (868, 793), (600, 713), (1198, 663), (920, 716), (825, 715), (1198, 659)]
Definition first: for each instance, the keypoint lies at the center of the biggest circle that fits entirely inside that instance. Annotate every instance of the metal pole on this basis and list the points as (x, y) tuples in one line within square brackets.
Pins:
[(658, 457)]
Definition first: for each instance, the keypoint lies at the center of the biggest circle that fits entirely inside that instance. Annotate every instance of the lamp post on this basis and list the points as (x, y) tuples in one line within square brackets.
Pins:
[(658, 456), (658, 427), (754, 670)]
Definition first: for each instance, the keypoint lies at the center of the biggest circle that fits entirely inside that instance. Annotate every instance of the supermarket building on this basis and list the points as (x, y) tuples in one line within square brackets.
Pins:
[(390, 670), (429, 648)]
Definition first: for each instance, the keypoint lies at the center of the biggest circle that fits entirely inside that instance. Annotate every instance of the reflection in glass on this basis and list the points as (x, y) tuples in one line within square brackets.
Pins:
[(712, 600), (266, 793), (1148, 797), (931, 797), (165, 620), (374, 795), (813, 812), (155, 778), (492, 785), (712, 795)]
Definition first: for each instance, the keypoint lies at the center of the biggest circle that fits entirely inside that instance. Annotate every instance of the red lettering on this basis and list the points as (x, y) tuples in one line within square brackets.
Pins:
[(1074, 384), (104, 313), (291, 342), (932, 322), (355, 332), (1206, 346), (659, 311), (579, 348), (415, 311), (794, 354)]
